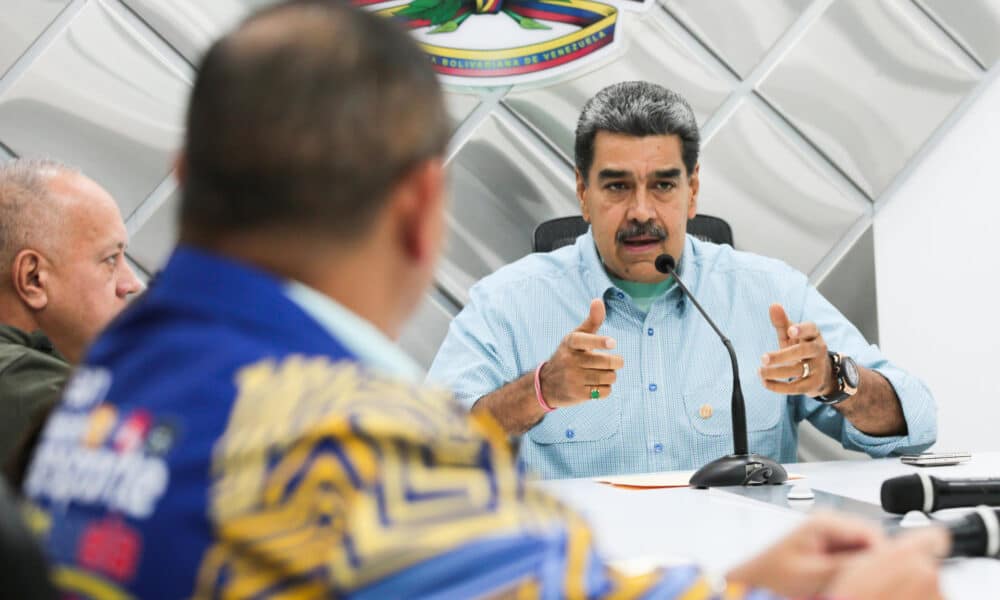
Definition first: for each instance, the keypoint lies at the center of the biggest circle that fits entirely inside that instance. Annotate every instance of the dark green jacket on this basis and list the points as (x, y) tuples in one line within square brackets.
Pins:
[(32, 374)]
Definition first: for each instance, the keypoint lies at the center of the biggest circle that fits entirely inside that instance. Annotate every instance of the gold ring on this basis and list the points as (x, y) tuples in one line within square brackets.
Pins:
[(595, 393), (805, 370)]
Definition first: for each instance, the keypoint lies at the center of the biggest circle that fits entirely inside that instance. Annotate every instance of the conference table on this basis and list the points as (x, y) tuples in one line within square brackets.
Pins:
[(720, 527)]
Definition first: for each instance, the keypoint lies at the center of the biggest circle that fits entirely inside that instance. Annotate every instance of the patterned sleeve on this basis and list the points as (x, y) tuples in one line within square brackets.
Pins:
[(387, 490)]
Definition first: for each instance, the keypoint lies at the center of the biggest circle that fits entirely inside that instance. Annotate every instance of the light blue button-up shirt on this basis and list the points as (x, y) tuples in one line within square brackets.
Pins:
[(670, 408)]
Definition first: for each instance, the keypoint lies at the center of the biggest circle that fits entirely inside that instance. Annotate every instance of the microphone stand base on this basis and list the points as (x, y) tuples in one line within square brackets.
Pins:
[(739, 469)]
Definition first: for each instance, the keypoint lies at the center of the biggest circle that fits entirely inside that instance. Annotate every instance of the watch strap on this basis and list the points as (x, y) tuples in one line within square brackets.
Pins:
[(840, 395)]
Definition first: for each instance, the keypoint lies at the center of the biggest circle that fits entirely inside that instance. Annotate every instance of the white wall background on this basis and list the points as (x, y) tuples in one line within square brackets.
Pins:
[(937, 263)]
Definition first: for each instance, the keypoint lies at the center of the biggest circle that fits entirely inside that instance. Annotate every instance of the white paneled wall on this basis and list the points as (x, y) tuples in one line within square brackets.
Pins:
[(937, 263), (810, 111)]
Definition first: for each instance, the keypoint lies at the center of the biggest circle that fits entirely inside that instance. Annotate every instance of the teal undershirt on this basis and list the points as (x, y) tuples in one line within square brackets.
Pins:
[(643, 294)]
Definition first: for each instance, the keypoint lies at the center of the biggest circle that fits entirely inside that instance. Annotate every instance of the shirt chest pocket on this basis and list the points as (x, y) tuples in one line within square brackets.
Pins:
[(709, 410), (585, 422)]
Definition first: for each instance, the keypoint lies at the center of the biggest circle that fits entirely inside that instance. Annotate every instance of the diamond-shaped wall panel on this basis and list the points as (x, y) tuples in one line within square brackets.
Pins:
[(101, 99), (191, 26), (651, 54), (778, 203), (460, 106), (868, 84), (151, 244), (423, 334), (976, 25), (21, 22), (738, 31), (500, 191), (850, 286)]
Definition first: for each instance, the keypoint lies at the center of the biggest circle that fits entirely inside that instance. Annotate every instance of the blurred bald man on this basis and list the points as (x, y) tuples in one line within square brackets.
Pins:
[(63, 277)]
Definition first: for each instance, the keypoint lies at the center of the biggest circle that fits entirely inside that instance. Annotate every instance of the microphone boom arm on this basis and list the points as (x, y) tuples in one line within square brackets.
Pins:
[(741, 467), (740, 445)]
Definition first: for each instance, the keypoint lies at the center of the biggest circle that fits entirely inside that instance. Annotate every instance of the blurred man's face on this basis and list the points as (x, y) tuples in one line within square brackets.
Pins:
[(89, 280), (638, 198)]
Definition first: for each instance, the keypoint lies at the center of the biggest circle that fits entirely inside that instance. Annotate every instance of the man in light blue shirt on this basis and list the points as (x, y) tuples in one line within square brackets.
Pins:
[(603, 366)]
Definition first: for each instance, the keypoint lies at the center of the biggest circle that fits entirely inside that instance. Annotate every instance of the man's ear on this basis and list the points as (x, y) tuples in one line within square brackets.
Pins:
[(581, 189), (30, 276), (694, 183), (420, 206), (180, 168)]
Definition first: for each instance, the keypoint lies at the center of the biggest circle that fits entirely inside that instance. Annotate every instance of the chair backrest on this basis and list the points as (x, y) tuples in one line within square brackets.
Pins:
[(563, 231), (711, 229)]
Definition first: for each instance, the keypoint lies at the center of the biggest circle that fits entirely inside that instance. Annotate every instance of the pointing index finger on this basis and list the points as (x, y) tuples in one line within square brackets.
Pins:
[(578, 340)]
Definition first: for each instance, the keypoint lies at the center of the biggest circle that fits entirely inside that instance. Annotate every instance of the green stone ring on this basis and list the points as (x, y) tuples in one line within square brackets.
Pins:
[(595, 394)]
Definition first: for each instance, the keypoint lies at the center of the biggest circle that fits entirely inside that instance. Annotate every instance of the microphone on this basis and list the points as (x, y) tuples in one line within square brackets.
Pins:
[(975, 534), (922, 492), (741, 467)]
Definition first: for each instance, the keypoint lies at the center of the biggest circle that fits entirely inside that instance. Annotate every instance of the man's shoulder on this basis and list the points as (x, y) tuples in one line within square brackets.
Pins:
[(539, 269), (722, 259), (342, 395), (158, 330), (180, 360), (20, 357), (172, 326)]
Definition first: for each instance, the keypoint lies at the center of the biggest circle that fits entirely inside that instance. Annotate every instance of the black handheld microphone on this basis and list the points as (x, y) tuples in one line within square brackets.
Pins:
[(741, 467), (975, 534), (922, 492)]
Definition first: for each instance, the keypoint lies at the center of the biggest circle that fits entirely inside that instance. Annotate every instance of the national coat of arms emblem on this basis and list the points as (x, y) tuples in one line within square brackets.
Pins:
[(514, 40)]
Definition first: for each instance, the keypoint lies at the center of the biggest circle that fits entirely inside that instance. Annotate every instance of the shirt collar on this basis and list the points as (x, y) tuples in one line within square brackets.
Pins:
[(364, 340), (35, 340), (600, 283)]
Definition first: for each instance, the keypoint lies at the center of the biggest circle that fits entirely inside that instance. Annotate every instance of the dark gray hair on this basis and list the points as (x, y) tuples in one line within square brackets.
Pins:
[(303, 119), (636, 108), (24, 209)]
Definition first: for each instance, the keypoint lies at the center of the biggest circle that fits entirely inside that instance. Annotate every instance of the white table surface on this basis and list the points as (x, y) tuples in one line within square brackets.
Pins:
[(718, 529)]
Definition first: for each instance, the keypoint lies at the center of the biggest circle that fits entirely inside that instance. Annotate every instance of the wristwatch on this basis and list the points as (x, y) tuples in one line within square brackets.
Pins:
[(847, 376)]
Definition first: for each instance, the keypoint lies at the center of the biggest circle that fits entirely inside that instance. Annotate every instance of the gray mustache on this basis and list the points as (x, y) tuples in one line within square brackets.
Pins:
[(636, 229)]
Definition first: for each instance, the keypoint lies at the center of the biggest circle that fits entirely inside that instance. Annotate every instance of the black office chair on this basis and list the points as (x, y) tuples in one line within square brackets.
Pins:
[(563, 231)]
